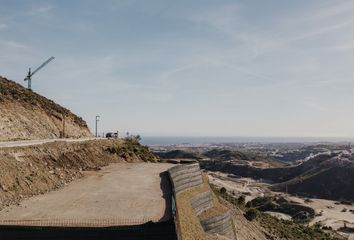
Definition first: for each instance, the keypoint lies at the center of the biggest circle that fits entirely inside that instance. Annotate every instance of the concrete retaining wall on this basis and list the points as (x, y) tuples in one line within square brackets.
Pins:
[(202, 202), (184, 177), (220, 224)]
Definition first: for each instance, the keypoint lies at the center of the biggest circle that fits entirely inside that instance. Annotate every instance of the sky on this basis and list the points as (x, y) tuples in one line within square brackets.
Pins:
[(189, 67)]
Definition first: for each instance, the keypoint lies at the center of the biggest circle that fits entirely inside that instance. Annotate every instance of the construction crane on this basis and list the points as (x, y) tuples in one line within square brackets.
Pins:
[(30, 74)]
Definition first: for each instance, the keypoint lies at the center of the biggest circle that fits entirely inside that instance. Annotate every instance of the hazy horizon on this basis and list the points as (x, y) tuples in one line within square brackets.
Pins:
[(198, 68), (166, 140)]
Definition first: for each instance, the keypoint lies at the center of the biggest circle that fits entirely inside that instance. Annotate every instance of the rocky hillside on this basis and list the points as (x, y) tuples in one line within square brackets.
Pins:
[(25, 114)]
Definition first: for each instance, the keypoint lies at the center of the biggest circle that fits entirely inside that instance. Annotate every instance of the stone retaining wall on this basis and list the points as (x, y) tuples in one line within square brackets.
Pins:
[(202, 202), (185, 176), (221, 224)]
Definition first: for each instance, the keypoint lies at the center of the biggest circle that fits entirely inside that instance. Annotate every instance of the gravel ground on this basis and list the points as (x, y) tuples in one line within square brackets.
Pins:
[(122, 192)]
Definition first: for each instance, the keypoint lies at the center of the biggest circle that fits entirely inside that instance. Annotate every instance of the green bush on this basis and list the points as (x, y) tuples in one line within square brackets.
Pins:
[(241, 200), (251, 214), (133, 149), (249, 204), (222, 191)]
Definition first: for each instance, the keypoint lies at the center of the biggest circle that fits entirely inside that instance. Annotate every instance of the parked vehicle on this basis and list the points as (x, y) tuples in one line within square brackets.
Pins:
[(112, 135)]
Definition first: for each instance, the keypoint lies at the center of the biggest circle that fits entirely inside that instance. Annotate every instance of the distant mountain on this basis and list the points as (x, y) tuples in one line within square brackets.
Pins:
[(178, 154), (326, 181), (25, 114), (223, 154), (329, 176), (215, 154)]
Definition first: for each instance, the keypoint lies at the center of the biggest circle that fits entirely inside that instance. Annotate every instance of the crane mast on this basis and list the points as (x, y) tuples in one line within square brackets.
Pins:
[(30, 73)]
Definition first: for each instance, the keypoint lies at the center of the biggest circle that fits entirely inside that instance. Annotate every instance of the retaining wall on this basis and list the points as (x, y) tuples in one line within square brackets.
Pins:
[(221, 224), (202, 202), (184, 177)]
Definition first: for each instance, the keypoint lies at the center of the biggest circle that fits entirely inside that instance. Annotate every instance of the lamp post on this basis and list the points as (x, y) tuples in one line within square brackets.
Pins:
[(97, 120)]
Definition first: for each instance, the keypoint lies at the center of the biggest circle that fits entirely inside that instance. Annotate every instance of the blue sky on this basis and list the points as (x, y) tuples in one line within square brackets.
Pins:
[(190, 68)]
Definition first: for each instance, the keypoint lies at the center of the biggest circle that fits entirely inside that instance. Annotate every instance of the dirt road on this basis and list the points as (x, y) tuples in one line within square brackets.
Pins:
[(24, 143), (120, 194)]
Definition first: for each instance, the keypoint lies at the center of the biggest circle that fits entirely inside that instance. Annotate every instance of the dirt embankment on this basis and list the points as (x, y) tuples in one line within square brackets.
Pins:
[(25, 114), (28, 171)]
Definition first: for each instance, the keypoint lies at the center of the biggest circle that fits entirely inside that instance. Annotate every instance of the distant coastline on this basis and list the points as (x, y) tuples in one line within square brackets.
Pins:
[(165, 140)]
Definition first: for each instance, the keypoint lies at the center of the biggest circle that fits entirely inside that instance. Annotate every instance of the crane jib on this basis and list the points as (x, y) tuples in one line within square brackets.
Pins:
[(30, 74), (41, 66)]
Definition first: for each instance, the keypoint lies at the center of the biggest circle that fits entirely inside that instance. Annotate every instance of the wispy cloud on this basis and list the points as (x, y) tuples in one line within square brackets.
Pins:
[(13, 44), (40, 10)]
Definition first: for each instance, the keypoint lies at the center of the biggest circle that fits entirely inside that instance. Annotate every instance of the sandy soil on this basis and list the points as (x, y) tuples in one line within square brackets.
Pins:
[(137, 192), (250, 186), (279, 215), (332, 214)]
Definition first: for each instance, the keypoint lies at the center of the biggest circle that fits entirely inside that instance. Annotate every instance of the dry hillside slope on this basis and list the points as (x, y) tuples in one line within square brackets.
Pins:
[(25, 114)]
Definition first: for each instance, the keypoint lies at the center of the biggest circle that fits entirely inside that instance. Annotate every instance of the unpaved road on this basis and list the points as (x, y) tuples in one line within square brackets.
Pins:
[(239, 185), (24, 143), (124, 193)]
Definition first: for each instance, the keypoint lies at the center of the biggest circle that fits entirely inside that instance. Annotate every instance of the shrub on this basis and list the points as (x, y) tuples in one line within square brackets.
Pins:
[(317, 225), (251, 214), (249, 204), (222, 191), (241, 200)]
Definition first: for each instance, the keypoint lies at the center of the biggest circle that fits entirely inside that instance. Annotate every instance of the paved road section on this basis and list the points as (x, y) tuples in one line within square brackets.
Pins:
[(120, 194), (25, 143)]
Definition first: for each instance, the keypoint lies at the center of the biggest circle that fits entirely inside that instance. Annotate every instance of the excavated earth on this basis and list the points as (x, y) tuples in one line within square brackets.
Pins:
[(25, 115), (33, 170)]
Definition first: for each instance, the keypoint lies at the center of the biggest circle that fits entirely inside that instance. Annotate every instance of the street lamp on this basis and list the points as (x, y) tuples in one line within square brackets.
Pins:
[(97, 120)]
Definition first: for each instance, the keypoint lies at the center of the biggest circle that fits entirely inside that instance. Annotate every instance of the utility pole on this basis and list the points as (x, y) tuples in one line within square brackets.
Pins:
[(63, 131), (97, 120)]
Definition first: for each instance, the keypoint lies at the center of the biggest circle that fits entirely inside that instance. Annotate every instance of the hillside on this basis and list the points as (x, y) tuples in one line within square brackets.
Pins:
[(25, 114), (213, 154), (223, 154), (328, 176), (178, 154), (334, 183)]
